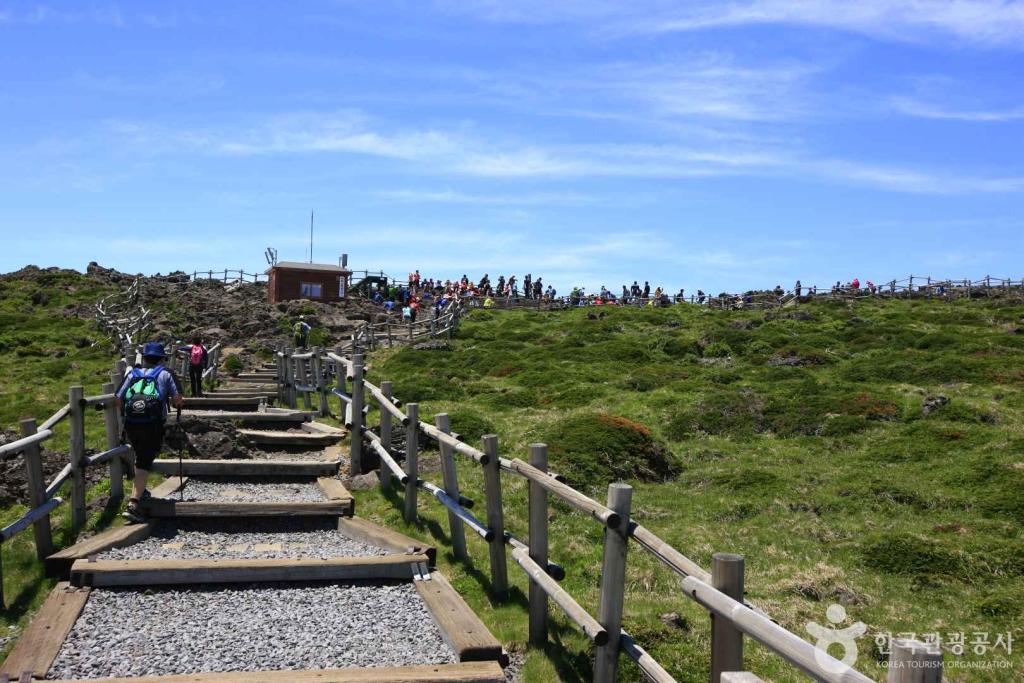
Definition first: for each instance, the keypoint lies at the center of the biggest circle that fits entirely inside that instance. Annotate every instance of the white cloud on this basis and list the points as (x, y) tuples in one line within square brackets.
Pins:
[(914, 107), (454, 153), (449, 196), (979, 22)]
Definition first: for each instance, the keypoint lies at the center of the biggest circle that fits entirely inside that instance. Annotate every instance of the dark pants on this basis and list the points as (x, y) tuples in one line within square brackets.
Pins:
[(146, 441), (195, 376)]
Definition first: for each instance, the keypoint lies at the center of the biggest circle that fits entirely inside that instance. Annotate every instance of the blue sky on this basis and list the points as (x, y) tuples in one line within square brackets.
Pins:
[(715, 144)]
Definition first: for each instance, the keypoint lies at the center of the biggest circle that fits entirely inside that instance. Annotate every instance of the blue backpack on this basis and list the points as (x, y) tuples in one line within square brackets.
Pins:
[(143, 401)]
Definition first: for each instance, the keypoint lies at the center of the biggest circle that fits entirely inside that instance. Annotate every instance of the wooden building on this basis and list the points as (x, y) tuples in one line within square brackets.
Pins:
[(314, 281)]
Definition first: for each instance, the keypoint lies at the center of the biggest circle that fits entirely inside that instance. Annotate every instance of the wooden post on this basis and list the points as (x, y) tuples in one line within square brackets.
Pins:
[(613, 584), (293, 378), (280, 374), (912, 661), (113, 427), (321, 385), (306, 368), (385, 436), (76, 420), (356, 435), (538, 547), (412, 436), (451, 487), (726, 639), (495, 517), (36, 491)]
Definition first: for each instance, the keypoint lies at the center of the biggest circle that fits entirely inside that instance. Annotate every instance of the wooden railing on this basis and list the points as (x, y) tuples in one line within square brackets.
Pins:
[(43, 498), (370, 336), (227, 275), (719, 591)]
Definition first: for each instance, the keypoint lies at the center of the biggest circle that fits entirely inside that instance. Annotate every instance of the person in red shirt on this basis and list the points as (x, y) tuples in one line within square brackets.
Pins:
[(855, 284)]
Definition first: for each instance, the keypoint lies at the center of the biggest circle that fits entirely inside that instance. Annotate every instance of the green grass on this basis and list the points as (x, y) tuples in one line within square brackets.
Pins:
[(45, 347), (800, 443)]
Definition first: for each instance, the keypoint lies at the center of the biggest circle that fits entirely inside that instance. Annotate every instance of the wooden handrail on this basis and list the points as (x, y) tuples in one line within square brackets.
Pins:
[(52, 421), (572, 609), (13, 448), (456, 445), (795, 650), (570, 495)]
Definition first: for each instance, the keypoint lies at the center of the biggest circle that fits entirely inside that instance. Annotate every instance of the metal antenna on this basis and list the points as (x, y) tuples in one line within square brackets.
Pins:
[(311, 235)]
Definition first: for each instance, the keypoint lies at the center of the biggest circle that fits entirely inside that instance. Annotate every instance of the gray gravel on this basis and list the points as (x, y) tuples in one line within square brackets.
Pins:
[(244, 539), (128, 632), (254, 490)]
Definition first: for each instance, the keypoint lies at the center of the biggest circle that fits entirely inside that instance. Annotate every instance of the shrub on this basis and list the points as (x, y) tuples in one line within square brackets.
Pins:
[(233, 364), (844, 425), (723, 411), (910, 555), (510, 398), (681, 348), (717, 350), (596, 449), (871, 407), (469, 424), (759, 348)]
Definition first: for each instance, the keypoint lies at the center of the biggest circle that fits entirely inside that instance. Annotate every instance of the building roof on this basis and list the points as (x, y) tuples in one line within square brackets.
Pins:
[(298, 265)]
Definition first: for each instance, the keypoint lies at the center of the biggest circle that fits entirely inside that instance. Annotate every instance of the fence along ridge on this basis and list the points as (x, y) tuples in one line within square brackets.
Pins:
[(720, 591)]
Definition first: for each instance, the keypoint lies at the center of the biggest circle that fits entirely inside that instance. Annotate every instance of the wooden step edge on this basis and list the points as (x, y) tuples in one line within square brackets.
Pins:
[(467, 672), (364, 530), (245, 467), (173, 508), (40, 643), (461, 628), (108, 573), (59, 563), (315, 427)]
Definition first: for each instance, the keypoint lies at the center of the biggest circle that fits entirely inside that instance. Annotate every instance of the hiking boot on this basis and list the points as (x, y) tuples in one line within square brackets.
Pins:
[(133, 513)]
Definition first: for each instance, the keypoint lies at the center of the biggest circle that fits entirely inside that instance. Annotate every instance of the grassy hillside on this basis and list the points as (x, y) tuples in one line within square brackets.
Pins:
[(870, 455), (48, 342)]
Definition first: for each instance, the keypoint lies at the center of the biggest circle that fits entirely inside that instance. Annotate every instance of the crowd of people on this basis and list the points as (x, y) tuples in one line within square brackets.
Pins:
[(417, 293)]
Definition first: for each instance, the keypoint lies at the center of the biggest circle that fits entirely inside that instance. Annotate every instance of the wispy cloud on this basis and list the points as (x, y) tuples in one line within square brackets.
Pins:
[(979, 22), (456, 152), (454, 197), (914, 107), (110, 14)]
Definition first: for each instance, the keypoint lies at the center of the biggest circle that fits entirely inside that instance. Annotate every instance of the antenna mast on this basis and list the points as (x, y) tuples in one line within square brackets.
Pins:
[(311, 235)]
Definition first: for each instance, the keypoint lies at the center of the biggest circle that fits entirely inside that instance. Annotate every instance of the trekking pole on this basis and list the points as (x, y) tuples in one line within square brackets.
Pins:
[(181, 451)]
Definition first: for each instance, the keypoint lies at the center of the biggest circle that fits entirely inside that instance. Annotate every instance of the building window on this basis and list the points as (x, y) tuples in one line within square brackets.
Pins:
[(311, 290)]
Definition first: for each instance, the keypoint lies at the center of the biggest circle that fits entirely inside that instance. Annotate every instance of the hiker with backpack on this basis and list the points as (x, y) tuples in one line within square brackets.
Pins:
[(301, 331), (142, 400), (198, 361)]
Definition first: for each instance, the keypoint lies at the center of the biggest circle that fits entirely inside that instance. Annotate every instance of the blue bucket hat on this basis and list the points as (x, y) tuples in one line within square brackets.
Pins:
[(154, 350)]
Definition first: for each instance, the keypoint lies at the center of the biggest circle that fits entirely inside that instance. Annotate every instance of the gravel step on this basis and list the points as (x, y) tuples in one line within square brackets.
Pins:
[(253, 490), (131, 632), (265, 539)]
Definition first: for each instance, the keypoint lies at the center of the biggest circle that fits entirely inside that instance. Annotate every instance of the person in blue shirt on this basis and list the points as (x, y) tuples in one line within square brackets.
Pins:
[(143, 400)]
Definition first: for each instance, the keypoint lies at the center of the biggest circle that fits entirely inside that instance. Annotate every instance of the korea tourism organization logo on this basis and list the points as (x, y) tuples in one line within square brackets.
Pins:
[(827, 636), (844, 650)]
